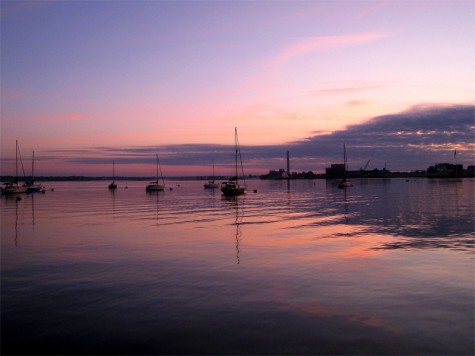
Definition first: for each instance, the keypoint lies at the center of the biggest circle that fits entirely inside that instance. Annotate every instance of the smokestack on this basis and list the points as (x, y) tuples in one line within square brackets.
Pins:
[(288, 164)]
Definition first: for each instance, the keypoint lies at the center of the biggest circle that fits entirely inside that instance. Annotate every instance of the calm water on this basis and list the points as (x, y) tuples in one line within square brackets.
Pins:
[(300, 267)]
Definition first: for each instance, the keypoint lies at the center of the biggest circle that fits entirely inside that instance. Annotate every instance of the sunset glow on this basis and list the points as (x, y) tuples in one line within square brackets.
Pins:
[(83, 83)]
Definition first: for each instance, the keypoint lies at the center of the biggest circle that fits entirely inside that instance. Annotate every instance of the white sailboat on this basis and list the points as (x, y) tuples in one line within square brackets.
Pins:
[(154, 186), (113, 185), (13, 187), (345, 183), (211, 183), (232, 187), (30, 186)]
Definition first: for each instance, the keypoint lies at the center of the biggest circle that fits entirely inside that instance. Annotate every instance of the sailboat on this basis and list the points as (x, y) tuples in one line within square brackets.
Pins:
[(232, 187), (30, 186), (154, 186), (13, 187), (345, 183), (113, 185), (211, 183)]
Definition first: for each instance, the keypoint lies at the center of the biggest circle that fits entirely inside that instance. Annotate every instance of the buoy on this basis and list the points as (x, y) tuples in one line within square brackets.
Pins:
[(52, 189), (255, 190), (171, 188)]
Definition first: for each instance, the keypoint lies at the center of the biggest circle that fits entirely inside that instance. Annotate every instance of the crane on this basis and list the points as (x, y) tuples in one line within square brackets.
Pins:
[(366, 165)]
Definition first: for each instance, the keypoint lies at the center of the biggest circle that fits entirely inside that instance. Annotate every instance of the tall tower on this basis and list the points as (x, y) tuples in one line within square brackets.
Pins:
[(288, 164)]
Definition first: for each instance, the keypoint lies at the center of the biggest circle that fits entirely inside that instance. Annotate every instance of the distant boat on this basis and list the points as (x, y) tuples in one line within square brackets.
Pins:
[(232, 187), (154, 186), (30, 186), (113, 185), (13, 187), (211, 183), (345, 183)]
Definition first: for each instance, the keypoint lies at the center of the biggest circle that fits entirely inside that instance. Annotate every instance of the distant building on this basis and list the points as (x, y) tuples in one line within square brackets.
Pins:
[(280, 174), (445, 170), (335, 171), (471, 171)]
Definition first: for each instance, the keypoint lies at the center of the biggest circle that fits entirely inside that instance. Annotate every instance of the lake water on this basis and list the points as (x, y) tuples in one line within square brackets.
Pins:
[(300, 267)]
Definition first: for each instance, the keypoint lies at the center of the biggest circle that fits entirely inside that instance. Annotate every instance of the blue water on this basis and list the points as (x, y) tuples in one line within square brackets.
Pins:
[(300, 267)]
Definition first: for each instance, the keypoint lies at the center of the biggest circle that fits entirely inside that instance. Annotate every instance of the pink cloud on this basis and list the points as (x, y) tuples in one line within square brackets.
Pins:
[(320, 44)]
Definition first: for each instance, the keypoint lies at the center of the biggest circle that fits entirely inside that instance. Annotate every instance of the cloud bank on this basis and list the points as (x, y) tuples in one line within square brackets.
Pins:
[(409, 140), (412, 139)]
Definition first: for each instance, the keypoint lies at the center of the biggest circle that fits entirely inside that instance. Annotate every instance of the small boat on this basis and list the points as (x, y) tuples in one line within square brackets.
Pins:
[(33, 188), (232, 187), (13, 187), (113, 185), (345, 183), (30, 185), (211, 183), (154, 186)]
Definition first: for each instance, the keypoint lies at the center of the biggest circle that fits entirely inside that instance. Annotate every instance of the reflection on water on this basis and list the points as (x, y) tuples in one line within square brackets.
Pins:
[(300, 267), (233, 202)]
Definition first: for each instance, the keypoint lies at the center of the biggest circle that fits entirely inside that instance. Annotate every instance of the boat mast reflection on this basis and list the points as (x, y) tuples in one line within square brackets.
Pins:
[(17, 201), (156, 194), (233, 201), (112, 191), (346, 207)]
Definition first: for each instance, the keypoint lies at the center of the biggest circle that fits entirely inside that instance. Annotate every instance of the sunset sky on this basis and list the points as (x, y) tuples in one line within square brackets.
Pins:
[(87, 82)]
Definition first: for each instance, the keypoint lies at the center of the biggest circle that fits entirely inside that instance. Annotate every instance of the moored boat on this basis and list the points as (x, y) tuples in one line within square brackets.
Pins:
[(154, 186), (345, 183), (211, 184), (232, 187), (13, 187), (30, 185), (113, 185)]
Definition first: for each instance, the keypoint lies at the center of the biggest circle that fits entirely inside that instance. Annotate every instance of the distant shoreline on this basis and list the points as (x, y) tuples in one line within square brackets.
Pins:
[(200, 178), (105, 178)]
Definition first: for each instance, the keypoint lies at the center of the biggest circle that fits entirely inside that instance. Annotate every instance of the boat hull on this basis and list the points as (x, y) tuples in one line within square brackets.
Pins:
[(13, 189), (211, 185), (35, 188), (154, 187), (233, 191), (344, 184)]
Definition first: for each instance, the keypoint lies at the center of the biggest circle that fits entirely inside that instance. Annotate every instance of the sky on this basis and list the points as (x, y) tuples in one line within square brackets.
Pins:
[(84, 83)]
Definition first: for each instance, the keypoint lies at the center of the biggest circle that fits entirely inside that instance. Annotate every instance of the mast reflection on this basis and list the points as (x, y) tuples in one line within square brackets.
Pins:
[(233, 201), (112, 191), (346, 213), (17, 201)]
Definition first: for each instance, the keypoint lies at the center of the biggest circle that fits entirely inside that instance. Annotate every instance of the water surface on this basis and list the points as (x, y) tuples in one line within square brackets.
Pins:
[(300, 267)]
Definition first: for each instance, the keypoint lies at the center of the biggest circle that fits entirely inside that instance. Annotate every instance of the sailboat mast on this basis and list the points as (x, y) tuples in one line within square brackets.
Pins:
[(236, 144), (16, 161), (344, 156), (33, 168), (156, 157)]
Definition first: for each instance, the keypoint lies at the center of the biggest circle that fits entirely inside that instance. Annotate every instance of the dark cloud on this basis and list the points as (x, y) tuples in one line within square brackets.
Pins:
[(413, 139)]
